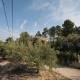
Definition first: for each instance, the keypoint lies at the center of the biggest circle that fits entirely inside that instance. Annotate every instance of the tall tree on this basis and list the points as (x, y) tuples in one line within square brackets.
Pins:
[(24, 37), (68, 27), (52, 31), (38, 33), (24, 34), (45, 32), (10, 39), (78, 30), (58, 30)]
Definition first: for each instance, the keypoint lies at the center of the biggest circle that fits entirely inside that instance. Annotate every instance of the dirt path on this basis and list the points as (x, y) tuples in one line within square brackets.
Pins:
[(4, 63), (71, 73)]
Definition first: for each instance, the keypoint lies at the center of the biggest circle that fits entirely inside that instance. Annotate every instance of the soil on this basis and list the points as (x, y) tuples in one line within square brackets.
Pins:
[(43, 75)]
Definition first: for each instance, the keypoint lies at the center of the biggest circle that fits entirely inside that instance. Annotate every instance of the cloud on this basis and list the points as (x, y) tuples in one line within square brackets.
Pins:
[(16, 32), (65, 9), (42, 4), (22, 26)]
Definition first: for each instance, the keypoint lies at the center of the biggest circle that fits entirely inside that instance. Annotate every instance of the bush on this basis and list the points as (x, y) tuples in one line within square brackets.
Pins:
[(33, 56)]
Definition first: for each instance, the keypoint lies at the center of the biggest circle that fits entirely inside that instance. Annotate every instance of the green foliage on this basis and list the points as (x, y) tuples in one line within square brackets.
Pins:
[(12, 52), (39, 57), (52, 31), (45, 32), (48, 56), (58, 30), (24, 34), (10, 39), (24, 38), (2, 49), (68, 27), (32, 55), (38, 33), (73, 37)]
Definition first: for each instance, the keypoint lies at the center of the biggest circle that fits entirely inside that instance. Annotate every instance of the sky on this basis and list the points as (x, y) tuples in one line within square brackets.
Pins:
[(34, 15)]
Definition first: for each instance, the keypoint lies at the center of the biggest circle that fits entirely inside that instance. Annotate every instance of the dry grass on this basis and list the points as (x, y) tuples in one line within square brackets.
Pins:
[(45, 75)]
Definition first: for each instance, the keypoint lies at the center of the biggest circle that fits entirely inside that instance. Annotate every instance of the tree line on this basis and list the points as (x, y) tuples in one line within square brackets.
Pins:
[(62, 47), (65, 39)]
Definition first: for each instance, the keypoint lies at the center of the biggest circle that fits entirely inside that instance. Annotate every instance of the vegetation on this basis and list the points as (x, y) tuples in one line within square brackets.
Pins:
[(64, 48)]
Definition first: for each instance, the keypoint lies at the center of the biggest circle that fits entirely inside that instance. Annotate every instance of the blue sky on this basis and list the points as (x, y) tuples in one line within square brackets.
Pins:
[(34, 15)]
